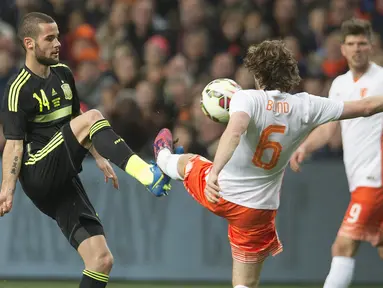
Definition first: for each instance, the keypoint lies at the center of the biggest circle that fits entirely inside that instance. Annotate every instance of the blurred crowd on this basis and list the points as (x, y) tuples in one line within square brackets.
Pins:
[(144, 63)]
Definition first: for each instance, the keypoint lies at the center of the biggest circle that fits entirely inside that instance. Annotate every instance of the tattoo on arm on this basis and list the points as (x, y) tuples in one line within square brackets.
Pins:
[(14, 165)]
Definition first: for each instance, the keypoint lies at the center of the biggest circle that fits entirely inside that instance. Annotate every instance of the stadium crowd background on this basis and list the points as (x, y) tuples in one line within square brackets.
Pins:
[(144, 63)]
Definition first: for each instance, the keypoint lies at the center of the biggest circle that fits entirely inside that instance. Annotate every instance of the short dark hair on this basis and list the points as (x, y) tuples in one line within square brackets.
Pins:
[(273, 65), (29, 25), (356, 27)]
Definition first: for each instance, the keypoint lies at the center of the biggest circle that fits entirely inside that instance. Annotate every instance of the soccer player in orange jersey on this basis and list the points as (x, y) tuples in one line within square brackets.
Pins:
[(362, 146), (266, 126)]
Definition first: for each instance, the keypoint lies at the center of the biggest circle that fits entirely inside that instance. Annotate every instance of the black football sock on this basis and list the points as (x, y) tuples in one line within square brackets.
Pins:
[(91, 279), (111, 146)]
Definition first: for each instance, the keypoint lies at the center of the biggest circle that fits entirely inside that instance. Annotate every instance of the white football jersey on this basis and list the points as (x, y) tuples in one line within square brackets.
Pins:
[(361, 137), (279, 123)]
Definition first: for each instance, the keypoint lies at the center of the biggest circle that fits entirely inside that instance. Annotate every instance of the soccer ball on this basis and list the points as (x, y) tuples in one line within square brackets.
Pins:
[(215, 99)]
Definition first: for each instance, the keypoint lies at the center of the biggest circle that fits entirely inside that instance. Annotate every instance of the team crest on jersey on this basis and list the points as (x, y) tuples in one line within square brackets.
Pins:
[(67, 91)]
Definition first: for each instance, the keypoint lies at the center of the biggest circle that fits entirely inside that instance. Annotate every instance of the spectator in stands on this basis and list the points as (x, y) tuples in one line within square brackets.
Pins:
[(142, 25), (156, 52), (113, 30), (222, 66)]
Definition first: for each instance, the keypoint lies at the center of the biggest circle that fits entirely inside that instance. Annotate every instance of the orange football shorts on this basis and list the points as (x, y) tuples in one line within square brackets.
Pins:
[(252, 232), (363, 220)]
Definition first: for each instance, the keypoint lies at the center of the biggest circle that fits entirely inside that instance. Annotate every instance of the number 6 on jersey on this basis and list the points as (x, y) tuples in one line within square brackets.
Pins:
[(264, 144)]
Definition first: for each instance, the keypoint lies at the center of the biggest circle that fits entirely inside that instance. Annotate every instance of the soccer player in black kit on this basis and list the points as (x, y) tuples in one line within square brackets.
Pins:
[(47, 139)]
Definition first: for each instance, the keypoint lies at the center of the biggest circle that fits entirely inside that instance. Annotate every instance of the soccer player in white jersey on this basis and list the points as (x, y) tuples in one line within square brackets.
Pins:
[(362, 153), (266, 126)]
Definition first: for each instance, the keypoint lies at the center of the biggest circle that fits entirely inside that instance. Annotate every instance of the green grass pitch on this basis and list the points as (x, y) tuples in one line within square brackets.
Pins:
[(64, 284)]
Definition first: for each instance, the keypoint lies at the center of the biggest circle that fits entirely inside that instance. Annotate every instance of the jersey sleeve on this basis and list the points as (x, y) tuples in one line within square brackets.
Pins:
[(323, 110), (14, 112), (241, 102)]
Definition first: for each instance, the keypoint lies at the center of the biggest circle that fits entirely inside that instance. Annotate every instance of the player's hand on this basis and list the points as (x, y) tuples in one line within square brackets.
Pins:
[(108, 171), (212, 189), (297, 158), (6, 200)]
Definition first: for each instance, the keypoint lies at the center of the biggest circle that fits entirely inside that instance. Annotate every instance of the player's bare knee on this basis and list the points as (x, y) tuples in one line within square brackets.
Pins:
[(92, 116), (107, 261), (182, 162), (104, 260), (344, 248), (184, 159)]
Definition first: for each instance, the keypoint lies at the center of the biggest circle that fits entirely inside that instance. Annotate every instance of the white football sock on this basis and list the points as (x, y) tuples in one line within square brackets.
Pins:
[(241, 286), (341, 272), (168, 163)]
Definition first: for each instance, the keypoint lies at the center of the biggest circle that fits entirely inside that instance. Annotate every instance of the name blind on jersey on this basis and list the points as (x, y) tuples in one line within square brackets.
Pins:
[(278, 106)]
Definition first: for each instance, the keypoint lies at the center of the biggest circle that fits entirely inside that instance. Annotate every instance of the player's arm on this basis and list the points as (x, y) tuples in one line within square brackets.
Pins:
[(238, 123), (362, 108), (242, 107), (320, 137), (351, 109), (14, 117), (322, 115), (12, 156), (325, 110)]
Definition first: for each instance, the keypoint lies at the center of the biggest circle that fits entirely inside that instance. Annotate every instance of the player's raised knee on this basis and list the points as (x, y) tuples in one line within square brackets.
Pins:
[(184, 159), (182, 162), (92, 116)]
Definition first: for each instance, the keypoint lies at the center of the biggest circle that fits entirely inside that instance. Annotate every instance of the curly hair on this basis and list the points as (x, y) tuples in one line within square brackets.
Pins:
[(273, 66), (356, 27)]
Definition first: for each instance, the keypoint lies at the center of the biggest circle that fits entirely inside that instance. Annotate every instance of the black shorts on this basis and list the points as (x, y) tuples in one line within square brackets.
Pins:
[(49, 177)]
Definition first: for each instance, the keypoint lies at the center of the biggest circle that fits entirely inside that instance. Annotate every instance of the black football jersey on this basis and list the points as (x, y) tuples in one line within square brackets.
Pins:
[(34, 108)]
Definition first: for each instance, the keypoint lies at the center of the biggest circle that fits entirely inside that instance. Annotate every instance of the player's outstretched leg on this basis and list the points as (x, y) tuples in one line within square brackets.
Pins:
[(192, 170), (92, 125), (171, 164), (343, 263)]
